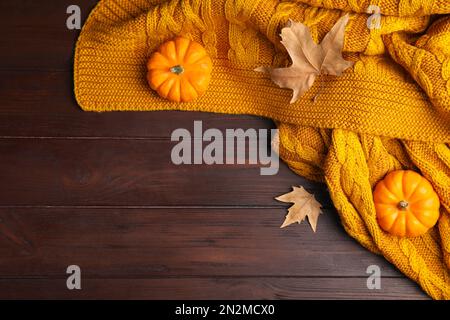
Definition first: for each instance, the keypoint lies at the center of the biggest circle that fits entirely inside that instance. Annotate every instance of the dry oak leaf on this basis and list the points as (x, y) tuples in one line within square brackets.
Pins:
[(308, 58), (305, 205)]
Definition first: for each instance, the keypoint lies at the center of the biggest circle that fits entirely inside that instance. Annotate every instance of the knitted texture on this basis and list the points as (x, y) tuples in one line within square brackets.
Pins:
[(390, 111)]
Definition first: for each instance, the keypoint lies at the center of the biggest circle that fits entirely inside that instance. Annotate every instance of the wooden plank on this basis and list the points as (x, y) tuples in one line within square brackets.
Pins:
[(41, 104), (164, 242), (34, 34), (99, 172), (212, 288)]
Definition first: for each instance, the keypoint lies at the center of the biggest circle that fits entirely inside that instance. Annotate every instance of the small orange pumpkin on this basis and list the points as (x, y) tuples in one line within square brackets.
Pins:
[(406, 204), (180, 70)]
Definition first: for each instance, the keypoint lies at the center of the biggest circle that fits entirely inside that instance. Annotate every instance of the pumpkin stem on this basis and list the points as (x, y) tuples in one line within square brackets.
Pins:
[(178, 69), (402, 205)]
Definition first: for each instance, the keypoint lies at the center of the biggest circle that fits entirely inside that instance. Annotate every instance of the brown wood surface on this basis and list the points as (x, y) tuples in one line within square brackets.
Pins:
[(99, 191)]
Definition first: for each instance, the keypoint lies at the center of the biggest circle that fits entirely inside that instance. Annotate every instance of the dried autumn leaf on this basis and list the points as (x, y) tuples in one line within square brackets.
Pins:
[(308, 58), (305, 205)]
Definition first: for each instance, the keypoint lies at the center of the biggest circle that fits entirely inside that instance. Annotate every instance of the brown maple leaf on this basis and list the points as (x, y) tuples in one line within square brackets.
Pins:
[(308, 58), (305, 205)]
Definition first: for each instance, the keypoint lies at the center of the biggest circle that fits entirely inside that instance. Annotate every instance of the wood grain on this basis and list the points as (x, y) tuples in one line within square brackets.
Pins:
[(100, 191), (213, 288), (41, 104), (35, 36), (99, 172), (110, 242)]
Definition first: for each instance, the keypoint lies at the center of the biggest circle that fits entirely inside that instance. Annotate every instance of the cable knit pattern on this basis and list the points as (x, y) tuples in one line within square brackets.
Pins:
[(390, 111), (388, 7), (348, 176)]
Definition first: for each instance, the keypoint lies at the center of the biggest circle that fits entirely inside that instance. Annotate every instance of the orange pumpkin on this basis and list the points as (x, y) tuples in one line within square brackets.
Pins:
[(180, 70), (406, 204)]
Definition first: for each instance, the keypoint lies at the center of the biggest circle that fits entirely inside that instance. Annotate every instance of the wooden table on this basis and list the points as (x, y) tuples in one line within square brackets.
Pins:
[(99, 191)]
